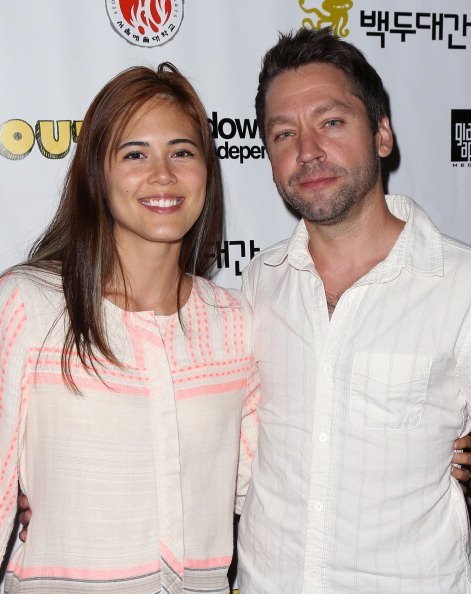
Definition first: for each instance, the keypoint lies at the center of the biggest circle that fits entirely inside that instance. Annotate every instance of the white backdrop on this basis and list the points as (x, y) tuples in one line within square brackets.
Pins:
[(56, 55)]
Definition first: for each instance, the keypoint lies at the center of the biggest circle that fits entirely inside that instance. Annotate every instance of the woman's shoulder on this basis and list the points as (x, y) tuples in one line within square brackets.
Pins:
[(218, 296), (31, 283), (223, 316)]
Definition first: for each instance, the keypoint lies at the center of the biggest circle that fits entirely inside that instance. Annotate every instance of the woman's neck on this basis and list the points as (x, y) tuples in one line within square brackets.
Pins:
[(151, 280)]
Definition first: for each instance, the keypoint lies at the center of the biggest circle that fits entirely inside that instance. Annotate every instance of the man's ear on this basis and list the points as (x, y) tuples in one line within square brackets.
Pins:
[(384, 137)]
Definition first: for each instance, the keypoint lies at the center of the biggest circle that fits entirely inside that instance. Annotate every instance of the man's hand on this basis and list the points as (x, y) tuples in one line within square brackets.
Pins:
[(463, 459), (25, 515)]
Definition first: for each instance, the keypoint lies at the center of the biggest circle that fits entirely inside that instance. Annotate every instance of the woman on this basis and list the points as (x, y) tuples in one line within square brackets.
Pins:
[(125, 374)]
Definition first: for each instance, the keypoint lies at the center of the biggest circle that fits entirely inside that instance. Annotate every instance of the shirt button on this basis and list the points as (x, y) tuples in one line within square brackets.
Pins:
[(318, 506), (323, 437), (329, 369)]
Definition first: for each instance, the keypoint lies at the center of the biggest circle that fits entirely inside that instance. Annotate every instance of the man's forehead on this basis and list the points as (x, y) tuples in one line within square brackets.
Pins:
[(309, 75), (321, 85)]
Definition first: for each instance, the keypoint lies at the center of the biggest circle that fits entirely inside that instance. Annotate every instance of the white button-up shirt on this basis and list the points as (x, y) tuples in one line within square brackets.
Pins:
[(351, 488)]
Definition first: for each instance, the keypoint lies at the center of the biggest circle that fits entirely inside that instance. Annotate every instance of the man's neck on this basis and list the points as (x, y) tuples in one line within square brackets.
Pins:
[(343, 253)]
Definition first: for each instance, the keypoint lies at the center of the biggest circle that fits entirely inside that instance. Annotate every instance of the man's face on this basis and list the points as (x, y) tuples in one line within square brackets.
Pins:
[(324, 156)]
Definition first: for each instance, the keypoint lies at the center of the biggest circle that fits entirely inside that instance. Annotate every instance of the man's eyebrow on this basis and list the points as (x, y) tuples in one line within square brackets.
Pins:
[(332, 105), (277, 121), (316, 111)]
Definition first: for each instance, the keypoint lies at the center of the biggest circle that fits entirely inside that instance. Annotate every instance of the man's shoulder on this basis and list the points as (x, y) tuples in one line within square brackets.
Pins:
[(456, 257), (262, 267), (455, 249), (456, 245), (270, 255)]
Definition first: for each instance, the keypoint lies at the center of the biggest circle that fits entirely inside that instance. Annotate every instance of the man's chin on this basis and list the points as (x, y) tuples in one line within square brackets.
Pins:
[(326, 220), (319, 216)]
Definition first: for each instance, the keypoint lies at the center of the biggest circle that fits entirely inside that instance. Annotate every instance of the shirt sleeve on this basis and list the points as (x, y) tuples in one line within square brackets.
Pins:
[(248, 437), (463, 370), (249, 428), (12, 399), (248, 281)]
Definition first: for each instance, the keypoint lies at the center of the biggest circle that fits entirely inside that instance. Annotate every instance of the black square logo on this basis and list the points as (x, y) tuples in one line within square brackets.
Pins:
[(461, 135)]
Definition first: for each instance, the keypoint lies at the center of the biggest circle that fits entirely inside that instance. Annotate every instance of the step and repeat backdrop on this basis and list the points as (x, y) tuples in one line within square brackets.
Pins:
[(56, 55)]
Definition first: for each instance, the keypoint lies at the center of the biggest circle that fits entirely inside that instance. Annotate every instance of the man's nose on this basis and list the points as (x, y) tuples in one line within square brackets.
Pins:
[(310, 147)]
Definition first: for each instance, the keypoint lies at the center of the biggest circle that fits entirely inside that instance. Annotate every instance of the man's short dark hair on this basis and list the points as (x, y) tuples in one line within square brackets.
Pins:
[(307, 46)]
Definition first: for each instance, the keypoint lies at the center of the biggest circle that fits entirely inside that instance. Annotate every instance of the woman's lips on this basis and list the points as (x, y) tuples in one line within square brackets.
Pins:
[(162, 204)]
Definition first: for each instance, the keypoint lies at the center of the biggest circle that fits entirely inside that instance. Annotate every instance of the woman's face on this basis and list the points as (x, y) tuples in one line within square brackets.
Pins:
[(156, 181)]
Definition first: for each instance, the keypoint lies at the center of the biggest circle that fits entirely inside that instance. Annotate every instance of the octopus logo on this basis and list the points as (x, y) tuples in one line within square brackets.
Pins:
[(145, 23), (335, 16)]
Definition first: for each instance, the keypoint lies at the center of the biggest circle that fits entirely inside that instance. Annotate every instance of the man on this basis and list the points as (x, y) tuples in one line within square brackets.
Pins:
[(362, 332)]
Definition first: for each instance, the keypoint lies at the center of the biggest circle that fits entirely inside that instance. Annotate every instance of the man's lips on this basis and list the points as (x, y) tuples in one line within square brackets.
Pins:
[(163, 203), (315, 183)]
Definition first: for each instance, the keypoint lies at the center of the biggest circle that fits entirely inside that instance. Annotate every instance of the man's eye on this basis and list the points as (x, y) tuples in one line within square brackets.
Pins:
[(333, 123), (283, 134)]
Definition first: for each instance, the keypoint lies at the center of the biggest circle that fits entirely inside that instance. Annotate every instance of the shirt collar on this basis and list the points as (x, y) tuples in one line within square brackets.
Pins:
[(294, 250), (418, 248)]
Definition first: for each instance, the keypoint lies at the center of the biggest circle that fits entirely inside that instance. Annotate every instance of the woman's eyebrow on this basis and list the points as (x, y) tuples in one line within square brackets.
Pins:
[(179, 140), (133, 143), (147, 144)]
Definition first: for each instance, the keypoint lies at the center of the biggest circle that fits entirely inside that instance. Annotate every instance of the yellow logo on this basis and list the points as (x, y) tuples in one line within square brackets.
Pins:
[(54, 138), (336, 15)]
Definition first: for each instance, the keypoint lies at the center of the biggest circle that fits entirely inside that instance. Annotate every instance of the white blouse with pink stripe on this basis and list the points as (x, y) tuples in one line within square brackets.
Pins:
[(133, 483)]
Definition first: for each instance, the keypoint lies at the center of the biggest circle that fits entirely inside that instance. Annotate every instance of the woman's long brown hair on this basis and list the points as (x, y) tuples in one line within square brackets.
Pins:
[(79, 242)]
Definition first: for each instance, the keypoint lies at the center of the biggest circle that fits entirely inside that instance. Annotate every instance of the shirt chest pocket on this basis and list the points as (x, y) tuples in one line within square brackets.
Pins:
[(388, 391)]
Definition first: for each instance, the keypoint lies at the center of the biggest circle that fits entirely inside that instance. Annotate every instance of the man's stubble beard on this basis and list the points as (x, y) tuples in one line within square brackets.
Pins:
[(357, 184)]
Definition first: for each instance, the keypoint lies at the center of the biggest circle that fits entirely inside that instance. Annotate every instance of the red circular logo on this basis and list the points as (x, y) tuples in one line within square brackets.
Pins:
[(146, 23)]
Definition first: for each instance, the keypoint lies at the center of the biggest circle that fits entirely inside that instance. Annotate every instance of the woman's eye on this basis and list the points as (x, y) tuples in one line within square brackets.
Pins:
[(134, 155), (183, 153)]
